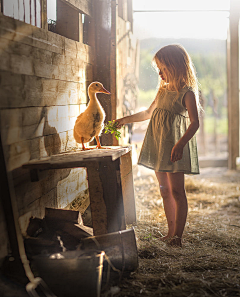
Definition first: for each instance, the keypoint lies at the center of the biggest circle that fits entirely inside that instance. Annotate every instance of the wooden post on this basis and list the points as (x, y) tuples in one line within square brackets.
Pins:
[(98, 206), (106, 199), (113, 63), (128, 188), (44, 23), (105, 54), (233, 84)]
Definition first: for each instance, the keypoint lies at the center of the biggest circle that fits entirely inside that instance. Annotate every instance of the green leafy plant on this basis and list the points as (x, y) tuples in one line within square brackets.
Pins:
[(111, 127)]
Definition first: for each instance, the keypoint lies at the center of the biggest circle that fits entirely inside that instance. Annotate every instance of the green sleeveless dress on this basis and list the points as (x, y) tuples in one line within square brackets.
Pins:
[(167, 125)]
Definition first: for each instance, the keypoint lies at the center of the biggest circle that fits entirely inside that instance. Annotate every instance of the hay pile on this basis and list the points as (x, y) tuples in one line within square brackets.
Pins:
[(208, 263)]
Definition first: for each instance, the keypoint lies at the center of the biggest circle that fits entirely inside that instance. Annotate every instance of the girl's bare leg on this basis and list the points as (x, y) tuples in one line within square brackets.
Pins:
[(176, 181), (168, 202)]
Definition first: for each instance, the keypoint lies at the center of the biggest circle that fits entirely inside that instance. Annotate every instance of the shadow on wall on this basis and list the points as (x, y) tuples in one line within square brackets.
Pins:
[(35, 196), (52, 141)]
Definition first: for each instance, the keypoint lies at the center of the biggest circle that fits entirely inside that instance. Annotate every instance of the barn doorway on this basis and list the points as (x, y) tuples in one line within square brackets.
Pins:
[(202, 28)]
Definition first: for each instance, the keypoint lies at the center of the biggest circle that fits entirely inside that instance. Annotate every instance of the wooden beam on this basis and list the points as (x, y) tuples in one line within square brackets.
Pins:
[(102, 73), (128, 188), (105, 18), (85, 6), (233, 84), (44, 23), (113, 63)]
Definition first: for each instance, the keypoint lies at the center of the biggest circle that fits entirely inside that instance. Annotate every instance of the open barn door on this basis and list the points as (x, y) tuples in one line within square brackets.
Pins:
[(233, 84)]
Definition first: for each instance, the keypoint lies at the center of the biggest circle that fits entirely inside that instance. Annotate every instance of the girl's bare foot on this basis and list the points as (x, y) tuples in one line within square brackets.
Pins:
[(165, 238), (175, 242)]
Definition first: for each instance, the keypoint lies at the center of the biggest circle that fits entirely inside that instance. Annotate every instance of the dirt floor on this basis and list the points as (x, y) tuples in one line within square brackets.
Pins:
[(208, 262)]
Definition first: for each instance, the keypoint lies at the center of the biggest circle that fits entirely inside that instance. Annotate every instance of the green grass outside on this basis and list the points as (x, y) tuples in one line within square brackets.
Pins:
[(222, 125)]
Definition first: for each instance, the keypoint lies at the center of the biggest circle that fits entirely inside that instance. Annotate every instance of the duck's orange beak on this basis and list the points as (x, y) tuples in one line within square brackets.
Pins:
[(103, 90)]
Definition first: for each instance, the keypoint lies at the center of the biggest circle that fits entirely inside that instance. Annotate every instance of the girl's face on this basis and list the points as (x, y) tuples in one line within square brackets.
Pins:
[(163, 73)]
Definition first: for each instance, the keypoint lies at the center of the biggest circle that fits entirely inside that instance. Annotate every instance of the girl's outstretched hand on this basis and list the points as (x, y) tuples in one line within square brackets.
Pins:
[(119, 123), (177, 153)]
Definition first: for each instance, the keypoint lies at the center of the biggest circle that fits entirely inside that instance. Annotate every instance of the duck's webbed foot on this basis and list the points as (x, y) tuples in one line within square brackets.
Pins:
[(99, 144), (83, 146)]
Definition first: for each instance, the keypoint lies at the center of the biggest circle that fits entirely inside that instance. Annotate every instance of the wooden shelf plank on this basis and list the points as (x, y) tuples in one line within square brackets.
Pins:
[(78, 158)]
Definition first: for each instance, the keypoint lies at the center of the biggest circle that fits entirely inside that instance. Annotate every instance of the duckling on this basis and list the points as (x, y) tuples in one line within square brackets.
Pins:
[(89, 124)]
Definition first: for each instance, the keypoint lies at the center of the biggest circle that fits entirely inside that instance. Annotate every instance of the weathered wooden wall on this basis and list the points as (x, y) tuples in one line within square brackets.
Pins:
[(43, 88), (43, 82)]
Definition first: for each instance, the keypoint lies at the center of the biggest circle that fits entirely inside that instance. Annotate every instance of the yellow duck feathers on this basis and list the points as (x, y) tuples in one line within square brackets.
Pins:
[(90, 123)]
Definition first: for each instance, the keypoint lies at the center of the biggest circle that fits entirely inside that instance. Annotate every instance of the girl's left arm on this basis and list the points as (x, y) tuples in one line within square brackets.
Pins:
[(190, 104)]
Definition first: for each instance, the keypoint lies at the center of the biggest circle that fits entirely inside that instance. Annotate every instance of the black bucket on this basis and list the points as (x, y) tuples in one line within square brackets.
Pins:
[(120, 248), (72, 273)]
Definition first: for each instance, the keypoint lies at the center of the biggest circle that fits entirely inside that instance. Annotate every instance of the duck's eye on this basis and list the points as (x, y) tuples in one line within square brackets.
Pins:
[(96, 85)]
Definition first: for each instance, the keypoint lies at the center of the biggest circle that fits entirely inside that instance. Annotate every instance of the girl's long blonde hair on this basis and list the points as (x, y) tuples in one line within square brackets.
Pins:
[(180, 69)]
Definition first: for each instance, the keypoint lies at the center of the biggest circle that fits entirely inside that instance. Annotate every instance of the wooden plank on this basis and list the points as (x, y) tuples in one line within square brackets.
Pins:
[(21, 64), (51, 191), (97, 203), (70, 185), (113, 63), (7, 31), (73, 187), (43, 35), (128, 188), (102, 20), (41, 39), (77, 72), (77, 159), (84, 6), (22, 31), (111, 182), (21, 152), (106, 197), (130, 13), (77, 230), (233, 104), (81, 203), (63, 215), (14, 47), (17, 154), (12, 86), (47, 200), (44, 23), (56, 40), (28, 123), (20, 91)]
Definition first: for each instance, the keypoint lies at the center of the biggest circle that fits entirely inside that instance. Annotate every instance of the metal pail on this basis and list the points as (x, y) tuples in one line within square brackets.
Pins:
[(72, 273), (120, 248)]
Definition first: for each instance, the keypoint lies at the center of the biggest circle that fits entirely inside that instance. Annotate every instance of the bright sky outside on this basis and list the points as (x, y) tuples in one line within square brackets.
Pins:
[(176, 24), (197, 24)]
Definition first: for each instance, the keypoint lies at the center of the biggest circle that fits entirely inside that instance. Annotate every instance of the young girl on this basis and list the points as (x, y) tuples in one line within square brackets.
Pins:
[(169, 146)]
